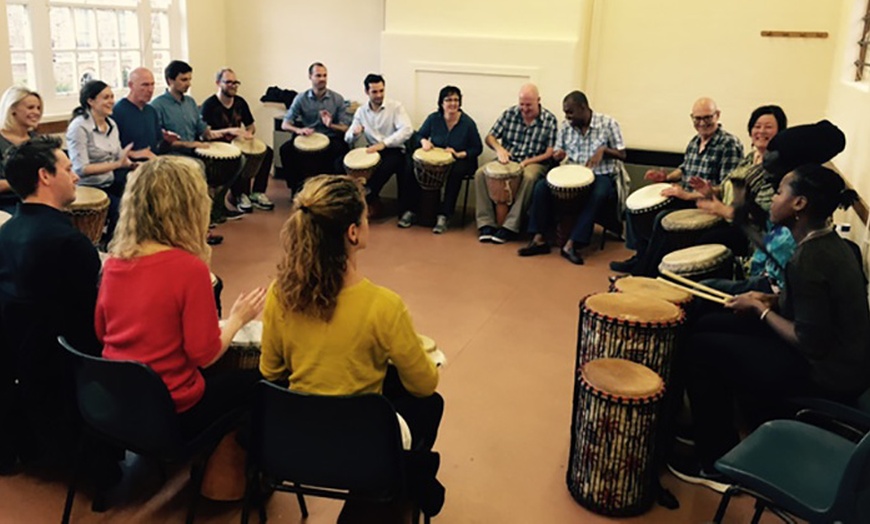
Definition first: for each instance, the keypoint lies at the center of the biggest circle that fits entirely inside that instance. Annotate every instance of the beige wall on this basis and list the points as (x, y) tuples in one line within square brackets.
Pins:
[(207, 42), (5, 61)]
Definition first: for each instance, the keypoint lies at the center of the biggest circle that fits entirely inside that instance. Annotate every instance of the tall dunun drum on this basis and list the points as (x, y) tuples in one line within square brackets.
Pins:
[(686, 226), (653, 288), (254, 151), (700, 262), (611, 468), (89, 212), (222, 162), (645, 203), (634, 327), (360, 164), (502, 184), (570, 184), (431, 169)]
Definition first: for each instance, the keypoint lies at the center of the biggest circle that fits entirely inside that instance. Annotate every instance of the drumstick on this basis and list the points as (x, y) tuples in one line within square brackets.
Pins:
[(693, 284), (699, 294)]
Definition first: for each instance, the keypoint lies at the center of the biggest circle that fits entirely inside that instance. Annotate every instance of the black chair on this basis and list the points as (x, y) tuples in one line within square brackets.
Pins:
[(128, 405), (342, 447), (467, 180)]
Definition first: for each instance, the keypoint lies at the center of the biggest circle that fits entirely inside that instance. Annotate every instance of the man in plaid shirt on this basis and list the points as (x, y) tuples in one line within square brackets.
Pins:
[(526, 134), (710, 156)]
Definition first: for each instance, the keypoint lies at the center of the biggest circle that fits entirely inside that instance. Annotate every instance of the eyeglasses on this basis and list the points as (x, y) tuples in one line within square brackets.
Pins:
[(707, 119), (452, 99), (231, 82)]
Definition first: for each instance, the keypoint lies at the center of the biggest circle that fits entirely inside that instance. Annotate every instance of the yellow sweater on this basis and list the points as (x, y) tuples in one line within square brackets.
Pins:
[(347, 355)]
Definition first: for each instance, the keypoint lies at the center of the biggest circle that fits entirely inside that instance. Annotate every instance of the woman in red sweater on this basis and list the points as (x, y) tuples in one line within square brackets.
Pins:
[(155, 303)]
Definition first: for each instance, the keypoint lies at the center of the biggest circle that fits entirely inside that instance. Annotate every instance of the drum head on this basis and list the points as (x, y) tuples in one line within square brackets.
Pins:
[(437, 156), (250, 334), (250, 146), (695, 259), (647, 197), (312, 142), (689, 220), (4, 217), (570, 176), (622, 378), (218, 150), (428, 344), (89, 197), (496, 169), (359, 159), (653, 288), (633, 308)]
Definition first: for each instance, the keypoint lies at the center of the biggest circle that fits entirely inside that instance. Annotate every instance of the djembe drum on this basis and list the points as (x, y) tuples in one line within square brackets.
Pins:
[(611, 468), (244, 350), (89, 212), (312, 153), (700, 262), (222, 162), (645, 203), (652, 288), (360, 164), (570, 184), (435, 355), (502, 184), (634, 327), (685, 226), (254, 151), (431, 169)]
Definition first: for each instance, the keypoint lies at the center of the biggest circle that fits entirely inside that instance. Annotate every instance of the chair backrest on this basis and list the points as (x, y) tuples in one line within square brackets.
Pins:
[(127, 403), (338, 442), (853, 495)]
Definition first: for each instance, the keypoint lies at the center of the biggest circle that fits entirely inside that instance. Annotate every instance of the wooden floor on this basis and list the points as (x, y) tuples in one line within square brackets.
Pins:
[(508, 326)]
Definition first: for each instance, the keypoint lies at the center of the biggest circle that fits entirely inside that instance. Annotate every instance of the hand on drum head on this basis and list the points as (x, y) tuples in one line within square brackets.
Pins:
[(595, 159), (248, 305), (426, 144), (504, 156), (714, 206), (326, 117), (559, 155), (305, 131), (676, 192), (199, 145), (380, 146), (702, 186), (656, 175), (169, 137)]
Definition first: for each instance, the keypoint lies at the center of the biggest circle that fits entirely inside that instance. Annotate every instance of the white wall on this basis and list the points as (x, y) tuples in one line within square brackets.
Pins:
[(6, 59)]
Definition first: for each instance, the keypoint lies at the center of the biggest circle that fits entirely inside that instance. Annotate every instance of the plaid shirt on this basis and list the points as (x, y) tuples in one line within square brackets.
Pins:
[(525, 141), (603, 132), (722, 154)]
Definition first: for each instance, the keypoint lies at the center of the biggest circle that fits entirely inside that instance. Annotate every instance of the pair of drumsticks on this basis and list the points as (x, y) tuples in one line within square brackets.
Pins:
[(695, 288)]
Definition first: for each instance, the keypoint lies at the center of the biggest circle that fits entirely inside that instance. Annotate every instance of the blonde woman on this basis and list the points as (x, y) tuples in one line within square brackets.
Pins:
[(155, 303), (332, 331), (21, 110)]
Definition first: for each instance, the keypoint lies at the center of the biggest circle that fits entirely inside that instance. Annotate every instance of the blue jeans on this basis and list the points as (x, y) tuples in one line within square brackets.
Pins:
[(542, 216)]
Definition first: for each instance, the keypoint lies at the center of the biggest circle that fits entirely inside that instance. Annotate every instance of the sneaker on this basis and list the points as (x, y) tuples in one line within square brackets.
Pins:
[(503, 235), (485, 234), (440, 225), (624, 266), (261, 201), (244, 204), (214, 240), (232, 214), (534, 249), (691, 471), (406, 220)]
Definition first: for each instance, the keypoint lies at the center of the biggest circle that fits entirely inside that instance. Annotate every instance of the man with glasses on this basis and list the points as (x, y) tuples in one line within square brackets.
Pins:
[(320, 110), (710, 156), (226, 110)]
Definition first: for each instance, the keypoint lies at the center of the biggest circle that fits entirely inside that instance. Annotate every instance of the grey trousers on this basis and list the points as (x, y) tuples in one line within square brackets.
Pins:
[(485, 210)]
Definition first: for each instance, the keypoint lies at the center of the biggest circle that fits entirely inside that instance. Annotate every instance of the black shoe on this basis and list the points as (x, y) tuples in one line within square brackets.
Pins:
[(503, 235), (689, 470), (485, 234), (534, 249), (214, 240), (572, 256), (232, 214), (624, 266)]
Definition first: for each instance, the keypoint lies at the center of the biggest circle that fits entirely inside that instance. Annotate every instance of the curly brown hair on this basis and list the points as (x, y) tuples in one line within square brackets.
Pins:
[(311, 272)]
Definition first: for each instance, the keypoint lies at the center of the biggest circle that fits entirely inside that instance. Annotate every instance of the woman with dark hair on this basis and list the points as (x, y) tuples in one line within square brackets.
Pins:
[(450, 128), (812, 339)]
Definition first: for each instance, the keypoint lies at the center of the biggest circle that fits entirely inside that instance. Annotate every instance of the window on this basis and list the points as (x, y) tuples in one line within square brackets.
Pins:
[(57, 45), (861, 64)]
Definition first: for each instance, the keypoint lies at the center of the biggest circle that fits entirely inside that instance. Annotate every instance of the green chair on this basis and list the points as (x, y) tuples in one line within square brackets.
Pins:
[(794, 468)]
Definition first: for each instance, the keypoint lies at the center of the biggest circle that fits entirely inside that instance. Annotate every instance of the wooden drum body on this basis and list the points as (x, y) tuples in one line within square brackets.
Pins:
[(89, 212), (685, 226), (244, 350), (570, 184), (503, 184), (254, 151), (360, 164), (645, 203), (222, 162), (431, 169), (700, 262), (639, 328), (611, 468)]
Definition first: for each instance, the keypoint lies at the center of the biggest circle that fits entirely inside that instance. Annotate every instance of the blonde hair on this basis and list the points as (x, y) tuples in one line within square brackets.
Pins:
[(166, 201), (11, 98), (311, 272)]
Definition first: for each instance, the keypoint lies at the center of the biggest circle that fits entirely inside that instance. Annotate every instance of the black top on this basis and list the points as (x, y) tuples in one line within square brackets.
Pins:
[(219, 117), (826, 297)]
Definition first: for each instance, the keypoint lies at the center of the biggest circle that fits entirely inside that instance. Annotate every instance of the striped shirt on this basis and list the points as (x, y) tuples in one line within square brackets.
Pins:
[(525, 141), (603, 132), (721, 155)]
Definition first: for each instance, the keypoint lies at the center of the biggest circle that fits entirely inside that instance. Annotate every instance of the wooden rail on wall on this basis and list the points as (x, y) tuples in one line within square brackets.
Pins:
[(795, 34), (860, 206), (52, 128)]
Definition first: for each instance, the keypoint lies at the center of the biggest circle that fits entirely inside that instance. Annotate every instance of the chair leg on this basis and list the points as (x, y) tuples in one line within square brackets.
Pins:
[(465, 203), (302, 506), (603, 238), (759, 509), (251, 481), (723, 504), (71, 491), (196, 473)]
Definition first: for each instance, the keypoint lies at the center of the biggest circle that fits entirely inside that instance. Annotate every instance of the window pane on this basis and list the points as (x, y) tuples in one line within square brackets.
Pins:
[(159, 30), (23, 72), (107, 28), (130, 60), (87, 68), (160, 4), (110, 69), (64, 73), (161, 60), (85, 30), (62, 28), (129, 29), (19, 27)]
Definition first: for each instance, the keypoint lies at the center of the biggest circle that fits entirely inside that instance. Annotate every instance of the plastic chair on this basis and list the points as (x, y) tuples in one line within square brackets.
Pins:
[(803, 470), (342, 447), (128, 405)]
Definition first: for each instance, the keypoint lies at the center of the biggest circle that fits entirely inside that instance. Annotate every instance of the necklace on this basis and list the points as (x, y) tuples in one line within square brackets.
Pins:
[(816, 233)]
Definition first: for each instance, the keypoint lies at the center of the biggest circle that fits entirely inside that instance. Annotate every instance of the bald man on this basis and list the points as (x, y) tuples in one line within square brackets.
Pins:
[(137, 121), (526, 134), (710, 156)]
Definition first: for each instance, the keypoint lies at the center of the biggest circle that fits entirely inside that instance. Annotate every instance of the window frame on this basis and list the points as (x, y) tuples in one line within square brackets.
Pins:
[(861, 64)]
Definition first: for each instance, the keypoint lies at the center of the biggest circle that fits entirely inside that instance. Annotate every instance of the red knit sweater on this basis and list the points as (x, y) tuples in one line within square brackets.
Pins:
[(160, 310)]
